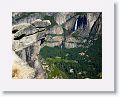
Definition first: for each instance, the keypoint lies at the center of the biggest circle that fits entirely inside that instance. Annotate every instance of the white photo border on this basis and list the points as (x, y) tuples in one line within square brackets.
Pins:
[(104, 84)]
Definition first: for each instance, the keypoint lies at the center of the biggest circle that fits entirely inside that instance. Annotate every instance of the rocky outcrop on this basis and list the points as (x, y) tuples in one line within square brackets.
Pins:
[(70, 23), (71, 42), (29, 29), (19, 27), (91, 18), (70, 45), (26, 44), (41, 24), (56, 30), (53, 44), (62, 17), (54, 36), (96, 28)]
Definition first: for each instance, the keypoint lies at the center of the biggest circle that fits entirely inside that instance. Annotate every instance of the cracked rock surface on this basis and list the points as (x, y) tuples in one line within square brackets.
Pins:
[(26, 47)]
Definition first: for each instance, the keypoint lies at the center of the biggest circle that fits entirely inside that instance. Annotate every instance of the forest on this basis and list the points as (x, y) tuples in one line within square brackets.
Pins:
[(73, 63)]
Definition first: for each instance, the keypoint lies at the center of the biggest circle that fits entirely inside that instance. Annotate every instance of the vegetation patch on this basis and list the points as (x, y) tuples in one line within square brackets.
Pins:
[(74, 63), (51, 18)]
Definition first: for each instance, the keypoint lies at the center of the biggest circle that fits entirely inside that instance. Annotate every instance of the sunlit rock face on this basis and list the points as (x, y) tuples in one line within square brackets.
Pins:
[(92, 17), (69, 23), (41, 24), (62, 17), (56, 30), (26, 40), (21, 69)]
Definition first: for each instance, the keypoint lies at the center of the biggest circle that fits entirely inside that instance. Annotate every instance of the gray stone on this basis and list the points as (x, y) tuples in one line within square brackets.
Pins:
[(91, 18), (56, 30), (70, 23), (29, 30), (18, 27), (70, 45), (53, 44), (24, 42), (62, 17), (39, 23)]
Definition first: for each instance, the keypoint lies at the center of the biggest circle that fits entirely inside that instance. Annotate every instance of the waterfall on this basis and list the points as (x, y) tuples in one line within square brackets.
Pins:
[(81, 22), (76, 25)]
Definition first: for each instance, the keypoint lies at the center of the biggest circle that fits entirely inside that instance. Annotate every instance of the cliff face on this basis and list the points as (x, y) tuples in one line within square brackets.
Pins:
[(27, 39), (62, 26), (34, 30), (65, 31)]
